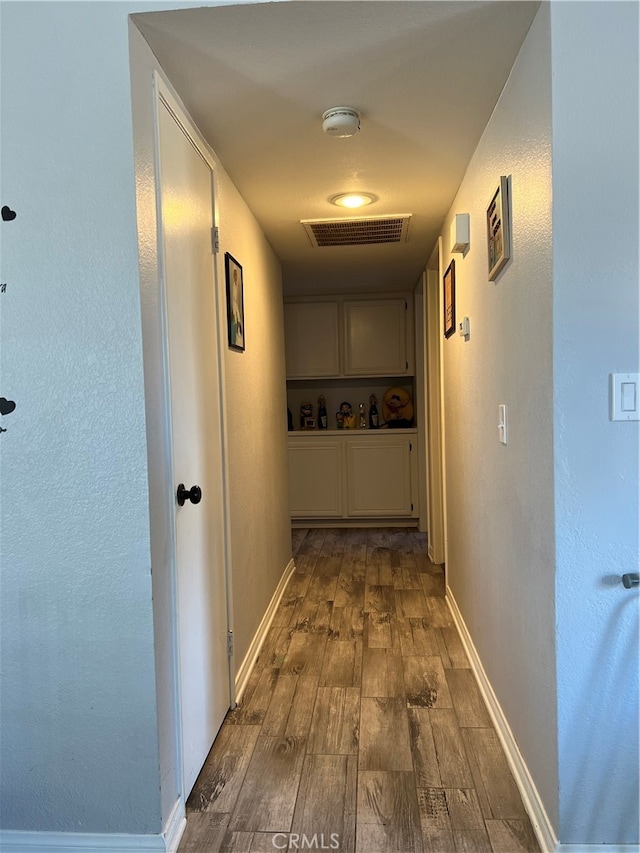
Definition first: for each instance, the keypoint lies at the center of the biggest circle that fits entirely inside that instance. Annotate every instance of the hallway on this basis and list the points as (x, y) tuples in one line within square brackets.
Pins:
[(362, 728)]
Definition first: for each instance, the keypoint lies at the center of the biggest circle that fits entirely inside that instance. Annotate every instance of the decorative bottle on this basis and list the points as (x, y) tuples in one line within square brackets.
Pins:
[(322, 412), (362, 418), (374, 421)]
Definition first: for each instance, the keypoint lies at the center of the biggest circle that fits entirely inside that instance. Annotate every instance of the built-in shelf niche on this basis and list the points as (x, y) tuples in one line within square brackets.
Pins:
[(336, 391)]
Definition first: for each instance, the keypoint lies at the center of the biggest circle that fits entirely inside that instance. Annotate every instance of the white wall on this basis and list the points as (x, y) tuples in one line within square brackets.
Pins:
[(257, 423), (84, 746), (79, 729), (595, 257), (500, 498)]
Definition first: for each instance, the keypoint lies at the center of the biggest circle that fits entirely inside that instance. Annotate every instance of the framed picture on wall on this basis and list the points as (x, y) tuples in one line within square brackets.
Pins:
[(449, 299), (499, 229), (235, 302)]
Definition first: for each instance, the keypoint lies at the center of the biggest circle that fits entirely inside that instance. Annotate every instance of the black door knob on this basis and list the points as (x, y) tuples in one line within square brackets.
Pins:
[(194, 494)]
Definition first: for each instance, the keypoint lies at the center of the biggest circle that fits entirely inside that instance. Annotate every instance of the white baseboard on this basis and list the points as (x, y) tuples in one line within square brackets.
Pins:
[(79, 842), (256, 644), (528, 791), (598, 848), (174, 827), (15, 841)]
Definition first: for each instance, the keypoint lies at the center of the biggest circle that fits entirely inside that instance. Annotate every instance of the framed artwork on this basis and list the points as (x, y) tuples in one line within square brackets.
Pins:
[(499, 229), (449, 300), (235, 302)]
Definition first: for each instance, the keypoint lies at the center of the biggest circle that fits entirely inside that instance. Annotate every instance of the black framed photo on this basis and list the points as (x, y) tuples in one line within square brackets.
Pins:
[(499, 229), (449, 299), (235, 302)]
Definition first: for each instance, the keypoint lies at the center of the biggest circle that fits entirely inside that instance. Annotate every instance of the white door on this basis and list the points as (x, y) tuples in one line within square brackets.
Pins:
[(186, 204)]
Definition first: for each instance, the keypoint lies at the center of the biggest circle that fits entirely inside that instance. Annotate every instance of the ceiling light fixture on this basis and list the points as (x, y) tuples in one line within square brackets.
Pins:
[(353, 200), (341, 121)]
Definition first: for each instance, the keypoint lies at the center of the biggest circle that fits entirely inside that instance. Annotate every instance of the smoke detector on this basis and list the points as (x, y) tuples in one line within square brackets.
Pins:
[(341, 121)]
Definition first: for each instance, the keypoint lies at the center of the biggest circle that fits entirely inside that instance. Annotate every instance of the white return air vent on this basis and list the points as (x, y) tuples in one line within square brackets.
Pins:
[(361, 231)]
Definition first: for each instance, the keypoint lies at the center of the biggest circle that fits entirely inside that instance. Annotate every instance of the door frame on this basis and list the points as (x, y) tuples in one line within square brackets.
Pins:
[(162, 94), (434, 402)]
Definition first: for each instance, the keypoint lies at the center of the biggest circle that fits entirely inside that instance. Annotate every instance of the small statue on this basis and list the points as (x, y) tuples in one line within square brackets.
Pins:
[(306, 413), (348, 418)]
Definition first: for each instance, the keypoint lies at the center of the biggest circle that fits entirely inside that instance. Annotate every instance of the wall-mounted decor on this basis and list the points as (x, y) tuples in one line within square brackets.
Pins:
[(499, 229), (449, 299), (6, 407), (235, 302)]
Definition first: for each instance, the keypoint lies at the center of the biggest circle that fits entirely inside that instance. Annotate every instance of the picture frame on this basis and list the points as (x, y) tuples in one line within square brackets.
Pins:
[(235, 302), (499, 229), (449, 299), (309, 423)]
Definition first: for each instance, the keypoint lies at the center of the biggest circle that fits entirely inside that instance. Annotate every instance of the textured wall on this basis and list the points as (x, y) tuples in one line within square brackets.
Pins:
[(79, 737), (500, 498), (257, 423), (595, 257)]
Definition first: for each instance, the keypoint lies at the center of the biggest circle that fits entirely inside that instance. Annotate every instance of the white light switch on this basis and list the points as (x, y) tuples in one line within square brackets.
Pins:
[(502, 423), (628, 397), (624, 397)]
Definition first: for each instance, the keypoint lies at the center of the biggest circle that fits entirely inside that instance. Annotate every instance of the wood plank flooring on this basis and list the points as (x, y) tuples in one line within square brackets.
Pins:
[(362, 728)]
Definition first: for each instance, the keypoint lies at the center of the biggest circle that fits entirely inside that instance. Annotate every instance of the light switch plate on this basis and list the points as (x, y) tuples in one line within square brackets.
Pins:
[(625, 396), (502, 423)]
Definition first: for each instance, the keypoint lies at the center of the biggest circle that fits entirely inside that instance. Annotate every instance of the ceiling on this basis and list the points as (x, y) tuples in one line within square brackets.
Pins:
[(425, 77)]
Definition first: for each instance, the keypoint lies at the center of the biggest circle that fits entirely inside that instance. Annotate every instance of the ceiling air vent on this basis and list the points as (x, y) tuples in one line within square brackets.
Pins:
[(363, 231)]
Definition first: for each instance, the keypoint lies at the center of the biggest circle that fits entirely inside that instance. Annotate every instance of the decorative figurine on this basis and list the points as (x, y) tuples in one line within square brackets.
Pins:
[(348, 418), (289, 420), (397, 408), (306, 414), (322, 412), (362, 418), (374, 421)]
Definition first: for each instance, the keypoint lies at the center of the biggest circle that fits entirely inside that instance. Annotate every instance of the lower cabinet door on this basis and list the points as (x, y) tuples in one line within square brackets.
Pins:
[(316, 475), (379, 477)]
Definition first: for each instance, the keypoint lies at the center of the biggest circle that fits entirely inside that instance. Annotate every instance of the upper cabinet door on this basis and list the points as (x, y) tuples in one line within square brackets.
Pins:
[(377, 337), (312, 335)]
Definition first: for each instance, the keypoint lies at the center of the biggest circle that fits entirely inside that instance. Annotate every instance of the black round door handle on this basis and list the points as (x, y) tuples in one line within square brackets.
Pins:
[(194, 494)]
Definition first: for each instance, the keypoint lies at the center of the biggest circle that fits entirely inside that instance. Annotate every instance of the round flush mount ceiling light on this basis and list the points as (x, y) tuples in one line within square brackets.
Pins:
[(353, 200), (341, 121)]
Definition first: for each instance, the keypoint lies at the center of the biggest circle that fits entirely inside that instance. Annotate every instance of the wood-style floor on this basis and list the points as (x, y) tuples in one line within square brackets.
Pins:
[(362, 728)]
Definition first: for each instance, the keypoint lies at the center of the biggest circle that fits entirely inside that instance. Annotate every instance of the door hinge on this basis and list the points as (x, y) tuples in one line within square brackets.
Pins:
[(410, 447), (406, 365), (215, 241), (406, 305), (411, 507), (230, 643)]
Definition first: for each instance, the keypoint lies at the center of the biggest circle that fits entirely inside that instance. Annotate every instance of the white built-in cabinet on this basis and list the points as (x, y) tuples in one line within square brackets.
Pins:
[(350, 475), (377, 339), (315, 477), (333, 337), (348, 347), (312, 338)]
